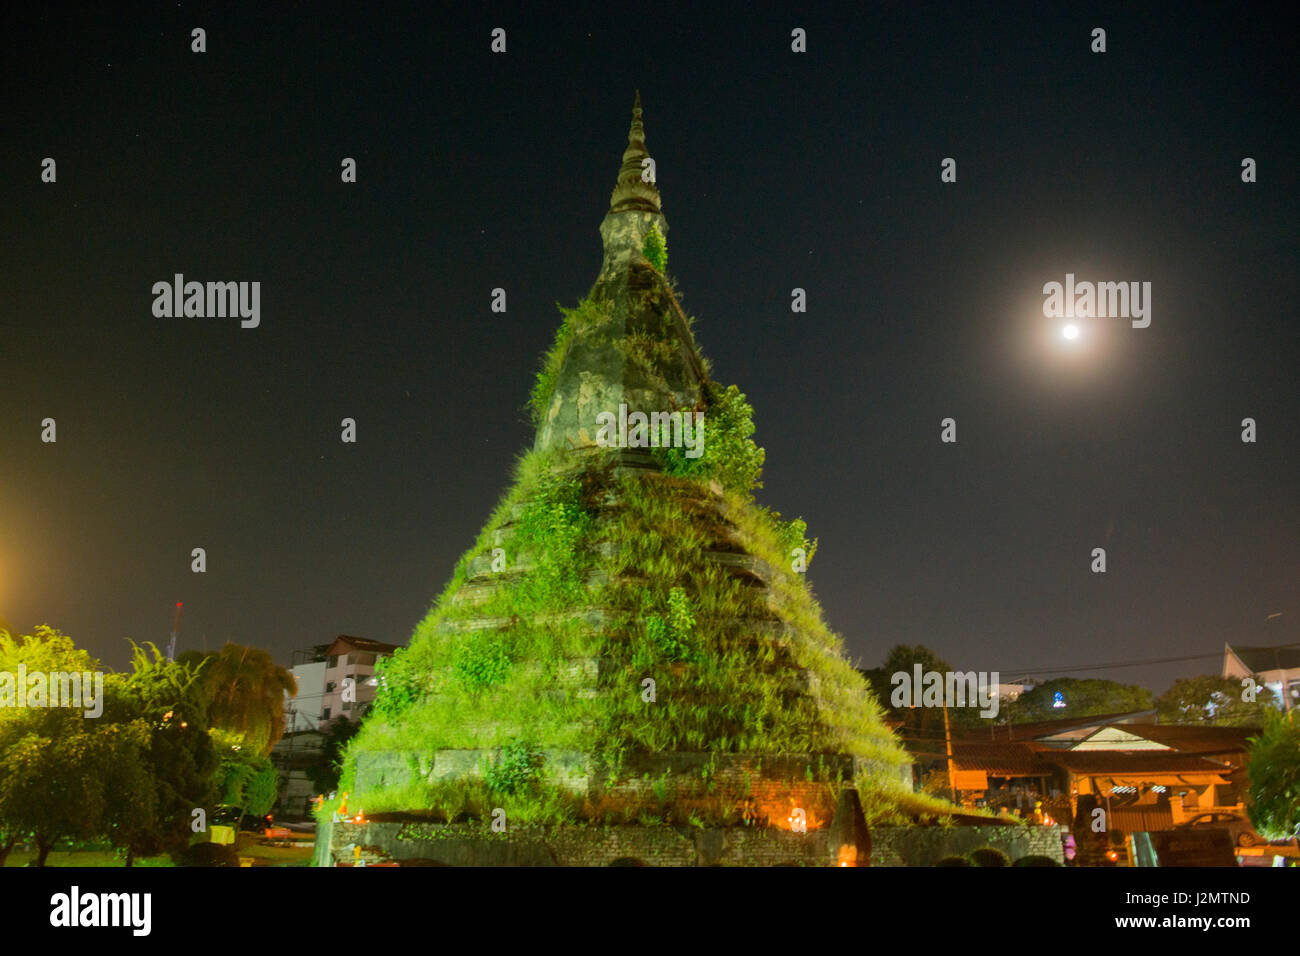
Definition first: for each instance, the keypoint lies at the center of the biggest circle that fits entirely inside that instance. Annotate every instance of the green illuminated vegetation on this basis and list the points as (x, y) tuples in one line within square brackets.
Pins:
[(652, 611), (655, 249)]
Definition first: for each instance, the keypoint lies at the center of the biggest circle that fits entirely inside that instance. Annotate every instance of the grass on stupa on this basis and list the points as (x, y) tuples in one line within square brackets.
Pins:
[(579, 535)]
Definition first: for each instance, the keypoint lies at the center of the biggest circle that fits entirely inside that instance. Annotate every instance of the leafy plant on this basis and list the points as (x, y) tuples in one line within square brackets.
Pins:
[(729, 454), (515, 767), (671, 632), (1274, 771), (655, 248), (481, 661)]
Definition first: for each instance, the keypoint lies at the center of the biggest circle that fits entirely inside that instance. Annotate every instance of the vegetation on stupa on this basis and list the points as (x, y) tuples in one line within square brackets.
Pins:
[(655, 249), (602, 580)]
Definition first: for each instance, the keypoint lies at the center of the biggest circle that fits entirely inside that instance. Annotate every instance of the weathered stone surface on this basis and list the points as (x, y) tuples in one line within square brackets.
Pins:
[(591, 845)]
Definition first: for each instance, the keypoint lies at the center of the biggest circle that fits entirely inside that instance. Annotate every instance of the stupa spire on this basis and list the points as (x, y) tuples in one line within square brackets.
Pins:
[(631, 191)]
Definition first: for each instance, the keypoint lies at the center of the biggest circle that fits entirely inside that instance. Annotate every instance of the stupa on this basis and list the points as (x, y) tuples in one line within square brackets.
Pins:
[(628, 665)]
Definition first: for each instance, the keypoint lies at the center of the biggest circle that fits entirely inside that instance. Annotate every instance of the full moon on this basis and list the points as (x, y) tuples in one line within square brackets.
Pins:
[(1071, 332)]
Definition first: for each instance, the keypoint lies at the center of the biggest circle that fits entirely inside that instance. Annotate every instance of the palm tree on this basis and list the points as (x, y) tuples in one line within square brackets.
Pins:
[(246, 689)]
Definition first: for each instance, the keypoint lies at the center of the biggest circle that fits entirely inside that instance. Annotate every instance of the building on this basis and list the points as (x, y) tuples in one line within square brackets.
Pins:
[(1277, 668), (303, 710), (292, 756), (350, 659), (1149, 775), (1012, 690)]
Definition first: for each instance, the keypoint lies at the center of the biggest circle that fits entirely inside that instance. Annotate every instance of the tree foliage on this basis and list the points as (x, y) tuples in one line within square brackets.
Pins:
[(729, 456), (325, 769), (1212, 699), (168, 700), (244, 689), (1082, 698), (1274, 771)]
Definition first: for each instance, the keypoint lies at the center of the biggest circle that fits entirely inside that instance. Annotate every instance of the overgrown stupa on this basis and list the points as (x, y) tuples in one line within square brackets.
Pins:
[(628, 663)]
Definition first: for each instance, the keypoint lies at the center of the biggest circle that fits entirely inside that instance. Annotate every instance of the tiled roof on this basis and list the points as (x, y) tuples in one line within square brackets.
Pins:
[(363, 644), (1196, 738), (999, 759), (1132, 762)]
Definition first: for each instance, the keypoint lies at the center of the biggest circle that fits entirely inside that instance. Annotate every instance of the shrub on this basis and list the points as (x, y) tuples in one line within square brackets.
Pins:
[(481, 661), (729, 455), (671, 632), (954, 861), (515, 768), (988, 856), (655, 248), (209, 854), (1035, 860)]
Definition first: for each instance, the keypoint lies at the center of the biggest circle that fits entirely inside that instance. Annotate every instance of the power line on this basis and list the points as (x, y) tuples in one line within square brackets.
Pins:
[(1135, 663)]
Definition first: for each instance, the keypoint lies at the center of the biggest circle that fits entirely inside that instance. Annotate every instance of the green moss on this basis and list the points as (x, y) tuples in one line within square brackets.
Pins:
[(655, 248)]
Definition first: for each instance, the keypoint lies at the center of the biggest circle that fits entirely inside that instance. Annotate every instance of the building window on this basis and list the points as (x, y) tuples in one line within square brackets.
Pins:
[(325, 715), (365, 659), (330, 686), (333, 661), (347, 706)]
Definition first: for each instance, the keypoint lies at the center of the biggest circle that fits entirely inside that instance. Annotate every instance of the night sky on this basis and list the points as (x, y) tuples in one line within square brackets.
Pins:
[(777, 170)]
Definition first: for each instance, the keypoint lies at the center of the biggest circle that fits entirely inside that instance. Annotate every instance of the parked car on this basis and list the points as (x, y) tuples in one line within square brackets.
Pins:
[(1238, 827)]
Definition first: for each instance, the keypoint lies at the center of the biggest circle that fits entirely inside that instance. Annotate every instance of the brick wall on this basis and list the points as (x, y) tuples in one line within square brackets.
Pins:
[(925, 846), (578, 845)]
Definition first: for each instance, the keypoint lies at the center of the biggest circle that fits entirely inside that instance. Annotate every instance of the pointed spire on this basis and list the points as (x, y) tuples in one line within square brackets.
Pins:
[(632, 193)]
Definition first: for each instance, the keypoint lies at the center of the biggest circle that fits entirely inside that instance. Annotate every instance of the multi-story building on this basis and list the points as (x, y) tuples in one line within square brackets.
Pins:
[(351, 659)]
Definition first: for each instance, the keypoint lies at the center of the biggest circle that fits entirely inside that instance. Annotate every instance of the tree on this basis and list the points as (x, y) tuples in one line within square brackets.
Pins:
[(167, 699), (1082, 698), (61, 787), (245, 690), (922, 727), (324, 771), (55, 762), (1212, 699), (1274, 771), (246, 781)]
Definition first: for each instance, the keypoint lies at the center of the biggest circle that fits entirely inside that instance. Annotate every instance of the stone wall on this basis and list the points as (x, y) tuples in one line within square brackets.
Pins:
[(473, 845), (925, 846)]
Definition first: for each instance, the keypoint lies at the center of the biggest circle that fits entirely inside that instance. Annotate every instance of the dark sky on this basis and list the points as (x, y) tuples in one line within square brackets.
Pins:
[(777, 170)]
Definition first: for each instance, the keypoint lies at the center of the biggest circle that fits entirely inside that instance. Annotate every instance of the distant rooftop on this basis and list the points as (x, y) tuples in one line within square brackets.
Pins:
[(1260, 659), (345, 642)]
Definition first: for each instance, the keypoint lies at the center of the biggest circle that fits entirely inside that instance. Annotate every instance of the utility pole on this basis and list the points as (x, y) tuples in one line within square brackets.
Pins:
[(947, 739)]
